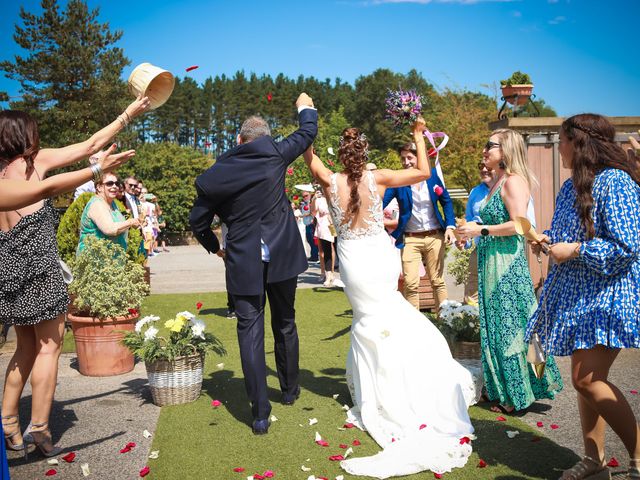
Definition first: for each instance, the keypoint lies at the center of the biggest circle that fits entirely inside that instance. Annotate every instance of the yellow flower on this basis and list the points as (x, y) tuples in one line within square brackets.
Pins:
[(176, 324)]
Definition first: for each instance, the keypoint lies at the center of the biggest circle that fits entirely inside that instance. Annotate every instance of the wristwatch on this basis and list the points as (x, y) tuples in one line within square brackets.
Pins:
[(484, 231)]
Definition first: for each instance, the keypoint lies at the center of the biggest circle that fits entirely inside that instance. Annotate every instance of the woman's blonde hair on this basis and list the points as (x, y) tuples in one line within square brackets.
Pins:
[(514, 154)]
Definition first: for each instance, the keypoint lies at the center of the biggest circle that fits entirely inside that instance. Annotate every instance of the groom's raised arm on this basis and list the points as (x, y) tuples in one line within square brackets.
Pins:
[(295, 144)]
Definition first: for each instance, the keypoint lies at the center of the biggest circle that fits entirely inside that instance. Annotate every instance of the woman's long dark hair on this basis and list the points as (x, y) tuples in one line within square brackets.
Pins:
[(354, 155), (594, 149), (18, 138)]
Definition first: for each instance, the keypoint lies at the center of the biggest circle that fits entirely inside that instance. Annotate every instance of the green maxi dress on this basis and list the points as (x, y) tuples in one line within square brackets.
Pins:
[(506, 301)]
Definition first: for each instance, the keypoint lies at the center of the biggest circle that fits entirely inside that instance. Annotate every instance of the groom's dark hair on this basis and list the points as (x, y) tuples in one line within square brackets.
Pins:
[(254, 127)]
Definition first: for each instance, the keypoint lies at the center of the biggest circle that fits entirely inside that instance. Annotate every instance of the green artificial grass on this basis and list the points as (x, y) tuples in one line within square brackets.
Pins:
[(198, 441)]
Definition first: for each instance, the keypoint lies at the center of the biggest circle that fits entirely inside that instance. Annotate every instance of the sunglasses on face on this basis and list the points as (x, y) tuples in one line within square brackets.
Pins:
[(489, 145), (482, 166), (132, 185), (111, 183)]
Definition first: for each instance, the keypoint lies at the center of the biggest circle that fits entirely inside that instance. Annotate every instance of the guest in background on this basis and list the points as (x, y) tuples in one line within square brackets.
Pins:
[(324, 234), (307, 218), (505, 298), (101, 217), (590, 301), (131, 196)]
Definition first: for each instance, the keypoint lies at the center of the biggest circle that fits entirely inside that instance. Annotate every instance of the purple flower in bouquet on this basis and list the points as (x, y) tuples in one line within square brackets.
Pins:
[(403, 107)]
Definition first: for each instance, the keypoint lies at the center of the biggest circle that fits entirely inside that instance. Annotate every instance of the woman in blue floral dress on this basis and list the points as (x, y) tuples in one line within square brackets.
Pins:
[(593, 291), (505, 291)]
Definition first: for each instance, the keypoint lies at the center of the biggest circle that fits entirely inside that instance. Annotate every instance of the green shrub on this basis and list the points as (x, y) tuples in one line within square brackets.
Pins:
[(169, 171), (69, 228), (458, 268), (516, 78), (106, 284)]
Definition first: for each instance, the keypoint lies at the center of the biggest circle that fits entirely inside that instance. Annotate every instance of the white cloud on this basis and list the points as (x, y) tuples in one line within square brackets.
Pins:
[(559, 19)]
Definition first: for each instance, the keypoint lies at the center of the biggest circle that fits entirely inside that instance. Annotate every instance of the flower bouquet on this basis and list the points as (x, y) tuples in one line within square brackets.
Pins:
[(461, 322), (174, 361)]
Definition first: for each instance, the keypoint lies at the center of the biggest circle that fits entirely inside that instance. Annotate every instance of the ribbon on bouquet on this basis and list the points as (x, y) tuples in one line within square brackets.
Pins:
[(431, 136)]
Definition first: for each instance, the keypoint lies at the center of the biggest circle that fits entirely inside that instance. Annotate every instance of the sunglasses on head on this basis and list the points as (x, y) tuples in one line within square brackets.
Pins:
[(483, 166), (111, 183), (489, 145)]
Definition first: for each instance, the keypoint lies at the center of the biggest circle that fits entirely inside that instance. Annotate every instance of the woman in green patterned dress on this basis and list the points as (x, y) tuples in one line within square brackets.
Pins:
[(506, 298)]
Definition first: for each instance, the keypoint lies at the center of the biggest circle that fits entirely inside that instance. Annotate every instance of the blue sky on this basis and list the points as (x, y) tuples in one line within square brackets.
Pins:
[(581, 54)]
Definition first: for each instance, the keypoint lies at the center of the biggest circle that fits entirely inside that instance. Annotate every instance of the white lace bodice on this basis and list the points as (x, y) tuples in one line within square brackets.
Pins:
[(368, 221)]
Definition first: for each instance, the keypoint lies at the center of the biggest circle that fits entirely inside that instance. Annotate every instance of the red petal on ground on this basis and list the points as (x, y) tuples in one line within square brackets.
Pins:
[(348, 425), (356, 443), (50, 473), (131, 445), (323, 443), (125, 450), (69, 457), (424, 425), (216, 403), (482, 464), (336, 458), (501, 419), (192, 67), (238, 469), (539, 424), (613, 462), (289, 171), (554, 426), (464, 440), (635, 392), (268, 474), (145, 471), (198, 305), (437, 475), (257, 476), (343, 445)]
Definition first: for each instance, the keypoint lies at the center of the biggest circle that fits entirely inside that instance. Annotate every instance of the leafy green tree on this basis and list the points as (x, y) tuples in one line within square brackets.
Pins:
[(70, 75), (169, 171)]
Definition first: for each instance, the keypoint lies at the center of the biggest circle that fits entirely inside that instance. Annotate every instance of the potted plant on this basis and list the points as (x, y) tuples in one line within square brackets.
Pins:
[(174, 361), (108, 290), (517, 89), (460, 324)]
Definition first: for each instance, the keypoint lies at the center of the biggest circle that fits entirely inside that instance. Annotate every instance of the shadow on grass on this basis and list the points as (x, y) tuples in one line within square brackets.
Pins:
[(221, 312), (529, 454), (338, 334)]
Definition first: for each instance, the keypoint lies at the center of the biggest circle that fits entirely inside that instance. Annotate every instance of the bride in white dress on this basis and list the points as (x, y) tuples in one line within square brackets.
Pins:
[(407, 390)]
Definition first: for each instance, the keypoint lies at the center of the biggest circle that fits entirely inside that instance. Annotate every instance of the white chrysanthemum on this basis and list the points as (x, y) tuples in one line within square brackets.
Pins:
[(197, 328), (186, 315), (142, 322), (151, 333)]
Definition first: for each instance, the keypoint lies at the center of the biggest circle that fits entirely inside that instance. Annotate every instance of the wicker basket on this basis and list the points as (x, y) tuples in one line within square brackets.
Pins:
[(175, 382)]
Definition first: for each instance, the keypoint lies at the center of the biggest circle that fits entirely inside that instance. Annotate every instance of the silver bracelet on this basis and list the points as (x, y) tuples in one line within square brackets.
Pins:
[(96, 170), (123, 121)]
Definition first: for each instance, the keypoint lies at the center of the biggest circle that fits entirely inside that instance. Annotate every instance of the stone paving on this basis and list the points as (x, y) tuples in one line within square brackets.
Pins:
[(96, 417)]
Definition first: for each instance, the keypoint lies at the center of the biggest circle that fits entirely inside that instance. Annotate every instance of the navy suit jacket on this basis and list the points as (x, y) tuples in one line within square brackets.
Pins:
[(245, 188), (405, 205)]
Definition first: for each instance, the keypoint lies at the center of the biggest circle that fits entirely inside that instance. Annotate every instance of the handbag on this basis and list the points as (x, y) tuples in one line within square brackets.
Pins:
[(536, 353), (67, 276)]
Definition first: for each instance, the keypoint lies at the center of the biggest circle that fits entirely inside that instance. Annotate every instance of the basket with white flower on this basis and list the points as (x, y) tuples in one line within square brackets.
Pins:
[(174, 361), (460, 324)]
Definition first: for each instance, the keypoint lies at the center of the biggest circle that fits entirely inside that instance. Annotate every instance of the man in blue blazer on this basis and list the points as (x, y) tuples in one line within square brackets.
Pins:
[(264, 252), (422, 231)]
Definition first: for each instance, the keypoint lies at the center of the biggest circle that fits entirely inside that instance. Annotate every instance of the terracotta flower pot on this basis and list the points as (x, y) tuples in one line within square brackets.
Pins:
[(98, 347), (522, 91)]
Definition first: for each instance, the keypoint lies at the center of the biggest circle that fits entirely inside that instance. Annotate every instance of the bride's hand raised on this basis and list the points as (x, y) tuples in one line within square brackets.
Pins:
[(419, 127)]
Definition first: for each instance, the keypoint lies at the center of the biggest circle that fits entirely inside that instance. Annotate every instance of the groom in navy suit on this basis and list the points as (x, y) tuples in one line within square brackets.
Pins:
[(264, 252)]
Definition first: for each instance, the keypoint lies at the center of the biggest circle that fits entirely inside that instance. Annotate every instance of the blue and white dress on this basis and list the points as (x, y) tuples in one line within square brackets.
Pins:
[(594, 299)]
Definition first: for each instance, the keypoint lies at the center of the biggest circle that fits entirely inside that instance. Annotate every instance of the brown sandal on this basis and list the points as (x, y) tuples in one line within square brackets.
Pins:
[(587, 469), (634, 470)]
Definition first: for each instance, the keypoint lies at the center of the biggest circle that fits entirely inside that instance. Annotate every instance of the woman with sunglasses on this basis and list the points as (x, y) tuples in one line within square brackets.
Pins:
[(33, 295), (101, 217), (506, 298)]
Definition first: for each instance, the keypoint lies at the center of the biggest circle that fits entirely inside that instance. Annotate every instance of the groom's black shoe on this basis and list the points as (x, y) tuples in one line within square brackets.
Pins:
[(291, 399), (260, 427)]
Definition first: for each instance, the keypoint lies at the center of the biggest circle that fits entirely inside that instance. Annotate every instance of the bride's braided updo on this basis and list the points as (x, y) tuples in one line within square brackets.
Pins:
[(354, 155)]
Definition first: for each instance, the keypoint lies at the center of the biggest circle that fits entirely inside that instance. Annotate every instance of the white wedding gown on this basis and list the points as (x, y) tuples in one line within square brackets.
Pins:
[(400, 371)]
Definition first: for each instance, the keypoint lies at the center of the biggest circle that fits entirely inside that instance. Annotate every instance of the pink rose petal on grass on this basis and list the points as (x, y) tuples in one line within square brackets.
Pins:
[(144, 472), (482, 464), (322, 443), (69, 457), (613, 462), (539, 424), (268, 474), (336, 458), (348, 425), (50, 473), (238, 469), (257, 476), (356, 443), (554, 426), (216, 403), (501, 419)]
